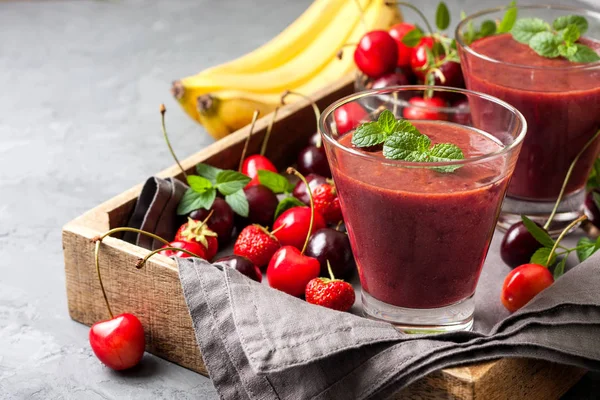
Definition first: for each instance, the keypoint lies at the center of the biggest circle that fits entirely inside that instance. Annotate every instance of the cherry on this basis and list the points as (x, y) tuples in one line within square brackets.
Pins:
[(422, 109), (242, 265), (462, 112), (453, 75), (349, 116), (315, 139), (221, 221), (398, 32), (418, 58), (253, 164), (518, 245), (391, 79), (523, 283), (334, 246), (313, 160), (376, 53), (290, 271), (191, 246), (292, 226), (300, 191), (590, 207), (262, 203), (118, 342)]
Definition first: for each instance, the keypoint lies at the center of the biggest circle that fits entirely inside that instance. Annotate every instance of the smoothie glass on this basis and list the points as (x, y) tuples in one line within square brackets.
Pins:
[(560, 101), (420, 236)]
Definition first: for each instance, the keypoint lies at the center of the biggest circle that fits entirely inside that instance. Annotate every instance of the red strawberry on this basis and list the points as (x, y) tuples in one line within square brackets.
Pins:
[(257, 244), (198, 231), (331, 293), (327, 203)]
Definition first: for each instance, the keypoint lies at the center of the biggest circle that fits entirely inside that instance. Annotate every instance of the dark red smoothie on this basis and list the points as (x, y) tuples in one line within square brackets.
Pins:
[(419, 236), (560, 101)]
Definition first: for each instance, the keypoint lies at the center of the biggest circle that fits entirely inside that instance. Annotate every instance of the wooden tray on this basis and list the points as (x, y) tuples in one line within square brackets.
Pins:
[(154, 293)]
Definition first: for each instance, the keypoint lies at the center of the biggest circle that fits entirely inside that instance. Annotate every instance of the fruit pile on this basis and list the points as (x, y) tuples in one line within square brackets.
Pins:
[(302, 58)]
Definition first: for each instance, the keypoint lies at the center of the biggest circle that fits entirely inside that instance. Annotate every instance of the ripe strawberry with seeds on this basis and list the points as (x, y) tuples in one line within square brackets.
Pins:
[(198, 231), (327, 203), (331, 293), (257, 244)]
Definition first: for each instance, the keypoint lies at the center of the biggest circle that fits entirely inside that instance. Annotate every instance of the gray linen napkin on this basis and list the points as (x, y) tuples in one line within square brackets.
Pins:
[(259, 343)]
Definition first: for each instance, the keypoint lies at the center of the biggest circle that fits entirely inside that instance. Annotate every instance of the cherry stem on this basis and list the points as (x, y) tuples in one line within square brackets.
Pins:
[(142, 261), (562, 235), (277, 229), (263, 148), (339, 224), (210, 214), (99, 239), (567, 177), (163, 110), (330, 271), (254, 118), (293, 171), (362, 15), (314, 106), (415, 9)]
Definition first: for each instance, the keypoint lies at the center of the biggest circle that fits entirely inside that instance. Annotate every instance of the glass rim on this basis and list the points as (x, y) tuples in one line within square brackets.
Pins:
[(412, 164), (481, 13)]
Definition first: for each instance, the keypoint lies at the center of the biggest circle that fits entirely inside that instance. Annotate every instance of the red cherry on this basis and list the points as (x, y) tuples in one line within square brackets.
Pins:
[(523, 283), (398, 32), (253, 164), (376, 53), (418, 58), (291, 228), (349, 116), (422, 109), (119, 342), (290, 271), (194, 247), (300, 191)]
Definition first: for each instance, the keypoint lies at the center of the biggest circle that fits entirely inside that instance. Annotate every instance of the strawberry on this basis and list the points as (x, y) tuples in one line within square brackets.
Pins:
[(327, 202), (257, 244), (198, 231), (331, 293)]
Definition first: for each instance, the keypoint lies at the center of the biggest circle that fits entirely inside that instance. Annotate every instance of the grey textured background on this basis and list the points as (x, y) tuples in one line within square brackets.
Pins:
[(80, 85)]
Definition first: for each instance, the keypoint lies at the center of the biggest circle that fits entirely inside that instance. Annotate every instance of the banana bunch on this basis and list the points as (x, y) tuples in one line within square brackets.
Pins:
[(303, 58)]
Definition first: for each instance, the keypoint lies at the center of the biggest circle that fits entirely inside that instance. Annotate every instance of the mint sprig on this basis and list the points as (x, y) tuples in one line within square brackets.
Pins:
[(403, 141), (556, 40), (489, 27)]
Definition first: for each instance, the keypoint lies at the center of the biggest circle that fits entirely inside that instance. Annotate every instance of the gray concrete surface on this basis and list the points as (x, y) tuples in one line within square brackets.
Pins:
[(80, 85)]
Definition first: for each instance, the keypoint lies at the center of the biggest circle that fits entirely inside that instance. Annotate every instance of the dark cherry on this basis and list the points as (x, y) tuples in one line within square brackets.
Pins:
[(453, 75), (300, 191), (242, 265), (221, 221), (262, 203), (518, 245), (315, 140), (313, 160), (392, 79), (461, 111), (329, 244)]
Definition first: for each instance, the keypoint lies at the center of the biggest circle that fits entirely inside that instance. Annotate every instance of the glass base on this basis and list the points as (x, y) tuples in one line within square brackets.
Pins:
[(455, 317), (569, 209)]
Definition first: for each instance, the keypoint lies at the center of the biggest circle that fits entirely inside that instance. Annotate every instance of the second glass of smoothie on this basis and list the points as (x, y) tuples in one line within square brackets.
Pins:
[(420, 236)]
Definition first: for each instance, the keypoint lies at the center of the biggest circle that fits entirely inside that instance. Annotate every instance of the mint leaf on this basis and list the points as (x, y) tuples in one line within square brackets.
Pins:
[(193, 200), (387, 121), (229, 182), (238, 203), (559, 270), (570, 34), (561, 23), (408, 146), (446, 152), (198, 183), (538, 232), (208, 171), (274, 181), (509, 18), (567, 51), (488, 28), (584, 54), (524, 29), (412, 37), (585, 248), (545, 44), (541, 257), (368, 134), (442, 16), (287, 203)]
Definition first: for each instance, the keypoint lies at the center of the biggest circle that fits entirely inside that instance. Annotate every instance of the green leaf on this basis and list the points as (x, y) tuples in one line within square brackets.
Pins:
[(408, 146), (412, 37), (570, 34), (208, 171), (446, 152), (387, 121), (596, 198), (585, 248), (545, 44), (561, 23), (567, 50), (541, 257), (559, 270), (526, 28), (198, 183), (442, 16), (229, 182), (287, 203), (274, 181), (193, 200), (594, 177), (488, 28), (368, 134), (584, 54), (238, 202), (509, 18), (538, 232)]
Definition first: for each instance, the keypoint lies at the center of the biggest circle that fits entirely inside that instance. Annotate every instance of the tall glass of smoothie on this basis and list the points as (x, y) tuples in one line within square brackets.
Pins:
[(420, 231), (560, 100)]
